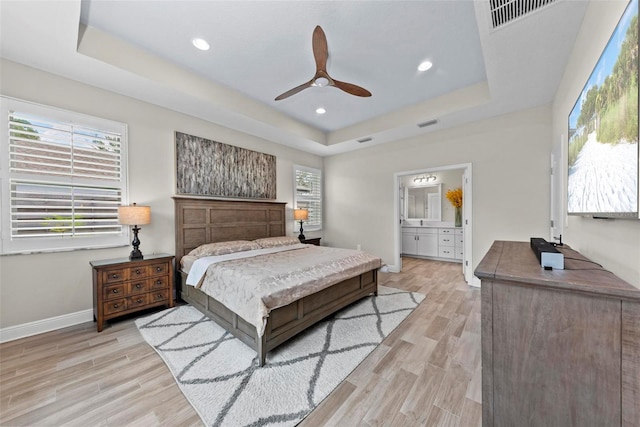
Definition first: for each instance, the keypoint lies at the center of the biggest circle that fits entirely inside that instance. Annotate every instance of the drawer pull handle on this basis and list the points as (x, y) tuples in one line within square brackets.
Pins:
[(115, 276), (115, 291), (115, 306), (159, 296), (138, 300), (158, 282), (137, 271), (158, 268), (138, 285)]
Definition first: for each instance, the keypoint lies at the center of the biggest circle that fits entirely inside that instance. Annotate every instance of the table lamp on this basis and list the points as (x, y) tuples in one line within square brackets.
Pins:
[(134, 215), (301, 215)]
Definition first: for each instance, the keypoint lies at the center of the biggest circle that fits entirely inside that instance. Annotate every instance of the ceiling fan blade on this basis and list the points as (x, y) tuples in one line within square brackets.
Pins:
[(320, 49), (351, 88), (294, 90)]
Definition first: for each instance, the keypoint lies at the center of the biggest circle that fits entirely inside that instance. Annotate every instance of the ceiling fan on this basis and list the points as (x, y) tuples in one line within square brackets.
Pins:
[(322, 78)]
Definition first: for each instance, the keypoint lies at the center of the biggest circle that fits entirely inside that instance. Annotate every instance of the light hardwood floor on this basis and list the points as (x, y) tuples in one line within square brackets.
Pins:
[(427, 372)]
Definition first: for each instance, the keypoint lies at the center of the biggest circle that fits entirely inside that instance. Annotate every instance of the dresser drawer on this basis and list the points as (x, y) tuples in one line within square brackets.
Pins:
[(446, 231), (113, 276), (459, 253), (115, 306), (159, 269), (139, 286), (138, 272), (114, 291)]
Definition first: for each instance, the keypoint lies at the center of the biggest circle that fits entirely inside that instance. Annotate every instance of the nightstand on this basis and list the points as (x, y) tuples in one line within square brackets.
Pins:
[(121, 286), (312, 241)]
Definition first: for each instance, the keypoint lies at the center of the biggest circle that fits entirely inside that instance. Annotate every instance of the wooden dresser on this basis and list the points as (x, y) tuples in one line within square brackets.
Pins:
[(121, 286), (560, 347)]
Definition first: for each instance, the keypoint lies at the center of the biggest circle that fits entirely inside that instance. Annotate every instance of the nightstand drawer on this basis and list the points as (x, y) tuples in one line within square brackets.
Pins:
[(115, 306), (138, 287), (156, 296), (114, 291), (158, 283), (159, 269), (138, 272), (113, 276), (137, 301)]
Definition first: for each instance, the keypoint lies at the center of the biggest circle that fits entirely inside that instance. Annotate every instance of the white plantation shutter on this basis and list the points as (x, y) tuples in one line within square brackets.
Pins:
[(62, 180), (308, 194)]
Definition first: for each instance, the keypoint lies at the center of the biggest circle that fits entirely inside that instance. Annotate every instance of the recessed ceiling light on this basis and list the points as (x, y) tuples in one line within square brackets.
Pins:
[(320, 110), (425, 65), (200, 44)]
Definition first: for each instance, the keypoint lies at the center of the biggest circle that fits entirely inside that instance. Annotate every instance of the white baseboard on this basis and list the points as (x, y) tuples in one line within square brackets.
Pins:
[(45, 325), (393, 269), (475, 282)]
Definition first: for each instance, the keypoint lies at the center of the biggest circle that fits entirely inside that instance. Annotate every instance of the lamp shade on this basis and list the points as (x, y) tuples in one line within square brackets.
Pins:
[(301, 214), (134, 215)]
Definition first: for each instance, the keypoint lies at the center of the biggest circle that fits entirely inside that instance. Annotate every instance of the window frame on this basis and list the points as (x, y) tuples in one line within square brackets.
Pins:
[(308, 225), (93, 240)]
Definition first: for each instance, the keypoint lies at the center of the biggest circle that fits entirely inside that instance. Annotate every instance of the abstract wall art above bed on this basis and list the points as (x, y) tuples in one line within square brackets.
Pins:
[(210, 168)]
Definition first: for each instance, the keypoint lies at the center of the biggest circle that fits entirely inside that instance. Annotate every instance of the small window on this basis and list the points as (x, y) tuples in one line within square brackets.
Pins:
[(308, 195), (62, 180)]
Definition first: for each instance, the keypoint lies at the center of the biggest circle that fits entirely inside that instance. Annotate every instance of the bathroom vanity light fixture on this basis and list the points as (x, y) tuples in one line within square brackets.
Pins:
[(425, 179)]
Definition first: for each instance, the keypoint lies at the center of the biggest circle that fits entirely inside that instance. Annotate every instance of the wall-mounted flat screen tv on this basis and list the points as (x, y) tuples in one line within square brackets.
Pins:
[(603, 130)]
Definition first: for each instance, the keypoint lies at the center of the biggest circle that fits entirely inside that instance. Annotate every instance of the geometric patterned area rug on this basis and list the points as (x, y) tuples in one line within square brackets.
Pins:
[(219, 376)]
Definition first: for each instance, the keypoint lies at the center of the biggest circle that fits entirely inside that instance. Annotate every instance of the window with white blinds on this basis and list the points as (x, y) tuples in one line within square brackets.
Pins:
[(63, 178), (308, 194)]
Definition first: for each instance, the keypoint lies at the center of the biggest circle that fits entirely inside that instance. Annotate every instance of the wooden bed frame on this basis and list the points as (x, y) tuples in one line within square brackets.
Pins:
[(200, 221)]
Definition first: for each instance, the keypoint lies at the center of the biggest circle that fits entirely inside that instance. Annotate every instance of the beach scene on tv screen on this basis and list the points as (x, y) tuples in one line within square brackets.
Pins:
[(603, 128)]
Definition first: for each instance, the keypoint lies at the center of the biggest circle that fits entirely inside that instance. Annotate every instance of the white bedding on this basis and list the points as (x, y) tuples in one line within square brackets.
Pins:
[(197, 267), (252, 286)]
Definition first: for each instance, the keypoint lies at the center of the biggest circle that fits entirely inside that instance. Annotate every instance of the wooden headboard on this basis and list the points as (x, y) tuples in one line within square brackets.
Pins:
[(200, 221)]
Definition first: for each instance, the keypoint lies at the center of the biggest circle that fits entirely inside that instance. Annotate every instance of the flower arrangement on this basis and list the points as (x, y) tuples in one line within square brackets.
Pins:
[(455, 197)]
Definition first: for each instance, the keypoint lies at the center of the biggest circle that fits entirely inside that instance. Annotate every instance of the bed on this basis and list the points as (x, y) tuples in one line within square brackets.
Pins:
[(202, 221)]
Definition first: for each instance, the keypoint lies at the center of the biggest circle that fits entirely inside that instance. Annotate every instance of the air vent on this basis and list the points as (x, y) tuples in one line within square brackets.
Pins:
[(367, 139), (505, 11), (429, 123)]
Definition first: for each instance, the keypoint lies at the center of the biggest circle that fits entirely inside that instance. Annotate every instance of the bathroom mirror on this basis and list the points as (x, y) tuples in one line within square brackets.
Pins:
[(423, 202)]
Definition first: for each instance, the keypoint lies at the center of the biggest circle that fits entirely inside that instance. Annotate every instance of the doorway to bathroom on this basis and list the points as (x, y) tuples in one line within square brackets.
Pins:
[(425, 218)]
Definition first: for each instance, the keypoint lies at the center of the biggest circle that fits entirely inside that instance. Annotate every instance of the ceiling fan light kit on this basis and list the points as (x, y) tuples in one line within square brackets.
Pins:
[(322, 78)]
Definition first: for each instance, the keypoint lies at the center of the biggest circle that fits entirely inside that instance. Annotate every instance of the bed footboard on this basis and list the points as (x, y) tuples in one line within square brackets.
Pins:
[(284, 322)]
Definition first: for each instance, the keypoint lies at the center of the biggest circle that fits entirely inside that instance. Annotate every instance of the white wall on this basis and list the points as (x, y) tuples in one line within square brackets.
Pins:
[(510, 158), (41, 286), (613, 243)]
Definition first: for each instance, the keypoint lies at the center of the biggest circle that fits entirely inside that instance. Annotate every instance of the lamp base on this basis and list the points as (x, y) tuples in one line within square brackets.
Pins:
[(301, 236), (135, 253)]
